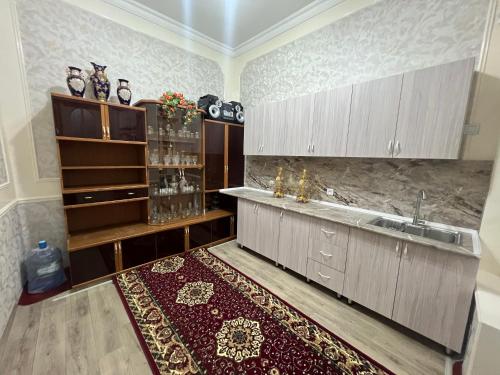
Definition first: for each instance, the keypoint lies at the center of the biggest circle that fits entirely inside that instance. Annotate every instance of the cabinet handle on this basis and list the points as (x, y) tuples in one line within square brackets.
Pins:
[(312, 147), (390, 148), (398, 148), (328, 233), (87, 197), (308, 148), (405, 251), (130, 193), (325, 254), (262, 147), (397, 247), (323, 276)]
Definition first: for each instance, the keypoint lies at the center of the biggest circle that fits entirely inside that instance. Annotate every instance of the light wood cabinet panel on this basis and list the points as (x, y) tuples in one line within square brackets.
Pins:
[(324, 275), (273, 129), (374, 114), (372, 270), (293, 243), (432, 111), (253, 130), (330, 123), (434, 293), (328, 243), (268, 231), (247, 222), (299, 118)]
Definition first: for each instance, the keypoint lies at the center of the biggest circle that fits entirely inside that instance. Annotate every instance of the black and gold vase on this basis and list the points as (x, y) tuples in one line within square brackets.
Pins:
[(123, 91), (100, 82), (75, 81)]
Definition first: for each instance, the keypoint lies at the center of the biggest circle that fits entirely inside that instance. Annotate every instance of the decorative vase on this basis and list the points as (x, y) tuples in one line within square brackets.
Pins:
[(75, 81), (100, 82), (123, 91)]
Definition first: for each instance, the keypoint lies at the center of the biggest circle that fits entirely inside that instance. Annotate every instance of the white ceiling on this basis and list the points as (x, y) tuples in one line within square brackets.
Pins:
[(230, 26)]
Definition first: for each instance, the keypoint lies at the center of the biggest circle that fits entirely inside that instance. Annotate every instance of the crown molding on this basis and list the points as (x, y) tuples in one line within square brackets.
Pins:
[(161, 20), (170, 24), (294, 19)]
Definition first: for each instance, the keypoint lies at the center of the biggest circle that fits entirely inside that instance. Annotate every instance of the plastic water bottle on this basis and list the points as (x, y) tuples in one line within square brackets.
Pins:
[(44, 269)]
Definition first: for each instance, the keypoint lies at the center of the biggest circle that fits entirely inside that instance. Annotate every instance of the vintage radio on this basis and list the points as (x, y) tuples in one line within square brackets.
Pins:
[(218, 110)]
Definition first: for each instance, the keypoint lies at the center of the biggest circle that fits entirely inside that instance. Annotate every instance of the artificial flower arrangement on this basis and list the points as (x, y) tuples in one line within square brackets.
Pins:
[(170, 100)]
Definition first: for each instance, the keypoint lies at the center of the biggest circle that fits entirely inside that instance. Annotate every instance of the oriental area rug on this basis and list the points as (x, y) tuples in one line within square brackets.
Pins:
[(195, 314)]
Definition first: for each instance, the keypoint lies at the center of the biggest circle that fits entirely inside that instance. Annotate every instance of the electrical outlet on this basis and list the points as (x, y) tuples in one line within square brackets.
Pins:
[(329, 191), (471, 129)]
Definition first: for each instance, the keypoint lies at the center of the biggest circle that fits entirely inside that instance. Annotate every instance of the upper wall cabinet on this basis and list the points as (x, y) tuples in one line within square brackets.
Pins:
[(374, 115), (330, 122), (432, 111), (419, 114)]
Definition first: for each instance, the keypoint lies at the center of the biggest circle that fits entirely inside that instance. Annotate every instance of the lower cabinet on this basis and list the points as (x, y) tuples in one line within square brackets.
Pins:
[(434, 293), (324, 275), (372, 270), (294, 241), (247, 224), (92, 263), (138, 250)]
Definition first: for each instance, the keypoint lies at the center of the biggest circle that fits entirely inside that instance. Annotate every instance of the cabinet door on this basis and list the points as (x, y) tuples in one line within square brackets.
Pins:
[(298, 116), (372, 270), (293, 242), (92, 263), (78, 119), (267, 231), (214, 156), (434, 293), (138, 250), (331, 122), (374, 113), (247, 224), (253, 129), (273, 129), (127, 124), (235, 158), (432, 112)]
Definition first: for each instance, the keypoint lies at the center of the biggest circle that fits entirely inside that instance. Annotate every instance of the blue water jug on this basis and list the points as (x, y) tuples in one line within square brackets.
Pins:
[(44, 269)]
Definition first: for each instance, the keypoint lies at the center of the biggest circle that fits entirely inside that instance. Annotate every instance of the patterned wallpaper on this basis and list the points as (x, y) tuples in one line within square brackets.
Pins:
[(390, 37), (55, 34), (11, 256)]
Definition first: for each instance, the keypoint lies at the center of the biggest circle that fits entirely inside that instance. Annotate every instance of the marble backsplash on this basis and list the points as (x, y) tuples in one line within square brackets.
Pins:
[(456, 189)]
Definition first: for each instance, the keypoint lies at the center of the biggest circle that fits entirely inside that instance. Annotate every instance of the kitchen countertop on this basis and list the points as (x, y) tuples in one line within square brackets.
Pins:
[(359, 218)]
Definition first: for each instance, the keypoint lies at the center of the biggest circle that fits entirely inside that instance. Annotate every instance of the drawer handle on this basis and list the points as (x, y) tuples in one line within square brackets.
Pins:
[(328, 233), (323, 276), (130, 193), (87, 197), (325, 254)]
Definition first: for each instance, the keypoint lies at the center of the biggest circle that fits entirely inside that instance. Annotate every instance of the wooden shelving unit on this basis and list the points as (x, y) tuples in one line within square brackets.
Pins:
[(103, 154)]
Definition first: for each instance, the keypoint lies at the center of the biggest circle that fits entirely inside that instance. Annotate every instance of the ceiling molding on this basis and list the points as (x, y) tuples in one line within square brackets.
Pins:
[(296, 18), (170, 24)]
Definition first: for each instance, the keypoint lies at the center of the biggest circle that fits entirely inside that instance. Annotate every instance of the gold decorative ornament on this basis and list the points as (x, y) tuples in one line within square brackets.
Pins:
[(278, 184), (302, 195)]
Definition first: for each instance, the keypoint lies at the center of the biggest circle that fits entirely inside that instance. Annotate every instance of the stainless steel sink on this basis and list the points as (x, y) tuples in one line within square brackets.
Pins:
[(422, 230)]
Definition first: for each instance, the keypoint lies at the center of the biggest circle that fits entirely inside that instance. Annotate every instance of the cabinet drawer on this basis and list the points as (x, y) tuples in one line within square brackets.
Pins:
[(324, 275), (328, 243), (103, 196)]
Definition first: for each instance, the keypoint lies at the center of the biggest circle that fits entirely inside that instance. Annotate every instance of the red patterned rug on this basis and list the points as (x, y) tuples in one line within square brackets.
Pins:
[(195, 314)]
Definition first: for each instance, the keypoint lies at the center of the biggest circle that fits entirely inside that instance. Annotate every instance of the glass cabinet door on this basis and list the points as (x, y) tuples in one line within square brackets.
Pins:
[(236, 160), (126, 124), (214, 156), (77, 118)]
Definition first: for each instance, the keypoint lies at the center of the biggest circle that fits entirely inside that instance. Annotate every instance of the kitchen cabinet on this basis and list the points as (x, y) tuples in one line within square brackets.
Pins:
[(215, 160), (434, 292), (293, 241), (328, 243), (324, 275), (253, 129), (374, 115), (432, 111), (330, 123), (299, 119), (372, 270), (274, 139), (246, 224), (267, 231)]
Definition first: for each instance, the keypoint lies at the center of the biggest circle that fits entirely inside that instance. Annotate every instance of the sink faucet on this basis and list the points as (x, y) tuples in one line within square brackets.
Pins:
[(416, 216)]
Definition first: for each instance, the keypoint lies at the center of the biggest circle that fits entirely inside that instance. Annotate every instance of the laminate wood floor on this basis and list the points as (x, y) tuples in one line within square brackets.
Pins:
[(88, 332)]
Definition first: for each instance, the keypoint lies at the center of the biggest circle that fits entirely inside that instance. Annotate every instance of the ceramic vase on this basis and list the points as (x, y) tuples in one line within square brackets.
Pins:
[(75, 81), (123, 91), (100, 82)]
